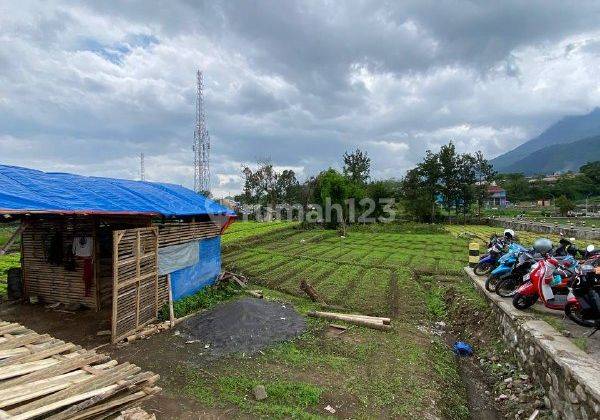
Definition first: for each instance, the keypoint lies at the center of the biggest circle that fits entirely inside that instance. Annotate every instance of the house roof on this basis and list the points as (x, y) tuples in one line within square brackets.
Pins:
[(494, 189), (24, 190)]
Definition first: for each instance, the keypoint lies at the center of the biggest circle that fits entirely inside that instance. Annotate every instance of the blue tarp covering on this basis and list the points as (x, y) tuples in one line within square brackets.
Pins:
[(189, 280), (29, 190)]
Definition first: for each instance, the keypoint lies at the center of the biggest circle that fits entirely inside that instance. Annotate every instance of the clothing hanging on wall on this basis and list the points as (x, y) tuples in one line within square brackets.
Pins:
[(83, 246), (88, 275)]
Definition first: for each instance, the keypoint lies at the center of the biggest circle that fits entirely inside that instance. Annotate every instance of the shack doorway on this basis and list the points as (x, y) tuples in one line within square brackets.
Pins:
[(135, 300)]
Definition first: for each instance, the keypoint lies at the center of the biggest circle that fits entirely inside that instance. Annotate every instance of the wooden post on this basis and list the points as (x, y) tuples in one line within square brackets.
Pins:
[(171, 310), (115, 288), (155, 230), (12, 239), (115, 259), (96, 262), (137, 275)]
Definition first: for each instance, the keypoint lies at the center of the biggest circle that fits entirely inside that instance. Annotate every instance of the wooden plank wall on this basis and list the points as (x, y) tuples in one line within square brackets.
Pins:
[(135, 290), (49, 282), (174, 233)]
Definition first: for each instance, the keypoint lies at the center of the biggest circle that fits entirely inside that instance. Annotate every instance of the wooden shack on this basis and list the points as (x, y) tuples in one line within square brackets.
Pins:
[(99, 242)]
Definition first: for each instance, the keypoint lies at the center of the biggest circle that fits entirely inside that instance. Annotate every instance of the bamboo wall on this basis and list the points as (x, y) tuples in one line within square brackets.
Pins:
[(49, 282), (174, 233), (56, 284)]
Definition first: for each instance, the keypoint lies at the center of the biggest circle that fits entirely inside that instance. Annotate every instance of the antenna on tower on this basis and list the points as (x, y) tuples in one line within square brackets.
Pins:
[(201, 145), (142, 168)]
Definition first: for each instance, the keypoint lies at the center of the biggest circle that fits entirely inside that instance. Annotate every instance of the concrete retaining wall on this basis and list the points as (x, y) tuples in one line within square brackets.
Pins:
[(575, 232), (570, 377)]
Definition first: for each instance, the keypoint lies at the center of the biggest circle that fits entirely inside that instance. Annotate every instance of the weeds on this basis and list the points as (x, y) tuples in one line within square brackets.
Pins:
[(204, 299)]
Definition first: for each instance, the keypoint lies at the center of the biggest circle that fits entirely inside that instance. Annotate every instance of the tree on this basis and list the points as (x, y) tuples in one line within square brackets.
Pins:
[(332, 192), (465, 179), (429, 173), (592, 171), (564, 205), (516, 185), (265, 186), (449, 171), (357, 166), (260, 186), (288, 187), (416, 201), (484, 175)]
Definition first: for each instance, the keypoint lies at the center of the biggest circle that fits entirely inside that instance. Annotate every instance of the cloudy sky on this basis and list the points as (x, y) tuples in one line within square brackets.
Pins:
[(86, 86)]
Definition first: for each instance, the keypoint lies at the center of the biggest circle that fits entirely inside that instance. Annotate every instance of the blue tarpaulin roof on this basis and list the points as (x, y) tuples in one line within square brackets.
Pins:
[(25, 190)]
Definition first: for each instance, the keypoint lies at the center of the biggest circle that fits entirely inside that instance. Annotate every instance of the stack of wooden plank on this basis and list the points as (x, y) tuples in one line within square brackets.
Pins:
[(41, 376)]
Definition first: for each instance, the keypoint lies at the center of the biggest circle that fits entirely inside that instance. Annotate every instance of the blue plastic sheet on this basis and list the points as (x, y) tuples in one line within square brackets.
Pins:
[(190, 280), (29, 190)]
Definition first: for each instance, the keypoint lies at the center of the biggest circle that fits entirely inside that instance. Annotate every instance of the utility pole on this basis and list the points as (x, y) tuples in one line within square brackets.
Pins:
[(201, 147), (142, 168)]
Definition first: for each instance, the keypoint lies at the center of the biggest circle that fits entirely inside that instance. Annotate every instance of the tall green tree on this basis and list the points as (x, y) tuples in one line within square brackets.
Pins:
[(332, 191), (266, 186), (484, 175), (449, 171), (357, 166), (417, 202)]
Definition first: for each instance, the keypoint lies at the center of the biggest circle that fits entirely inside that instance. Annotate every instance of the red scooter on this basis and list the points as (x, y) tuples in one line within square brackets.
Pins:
[(545, 285)]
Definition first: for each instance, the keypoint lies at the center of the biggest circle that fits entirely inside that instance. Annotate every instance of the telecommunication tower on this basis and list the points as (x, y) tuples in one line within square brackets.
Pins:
[(142, 167), (201, 145)]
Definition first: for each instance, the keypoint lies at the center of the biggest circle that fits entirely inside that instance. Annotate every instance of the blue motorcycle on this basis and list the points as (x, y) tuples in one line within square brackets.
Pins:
[(505, 266), (488, 261)]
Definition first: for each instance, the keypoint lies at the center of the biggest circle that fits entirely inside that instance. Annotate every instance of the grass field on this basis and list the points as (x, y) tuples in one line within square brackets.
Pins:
[(393, 270), (401, 271), (239, 231), (362, 269)]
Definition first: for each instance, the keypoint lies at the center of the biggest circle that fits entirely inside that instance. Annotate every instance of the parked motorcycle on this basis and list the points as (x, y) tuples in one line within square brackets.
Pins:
[(508, 285), (583, 305), (548, 281), (488, 261), (505, 266)]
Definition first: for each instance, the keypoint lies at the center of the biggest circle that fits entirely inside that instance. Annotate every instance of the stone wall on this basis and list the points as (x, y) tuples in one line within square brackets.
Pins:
[(570, 377), (547, 228)]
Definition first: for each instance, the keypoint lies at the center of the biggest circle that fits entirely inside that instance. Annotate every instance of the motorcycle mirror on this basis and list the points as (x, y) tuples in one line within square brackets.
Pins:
[(590, 248)]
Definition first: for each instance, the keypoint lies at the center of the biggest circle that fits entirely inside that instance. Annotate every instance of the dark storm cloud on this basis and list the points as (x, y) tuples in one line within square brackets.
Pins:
[(87, 86)]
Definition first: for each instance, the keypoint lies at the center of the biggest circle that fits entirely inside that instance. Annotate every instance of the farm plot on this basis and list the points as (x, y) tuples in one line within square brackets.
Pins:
[(360, 271), (239, 231), (372, 273)]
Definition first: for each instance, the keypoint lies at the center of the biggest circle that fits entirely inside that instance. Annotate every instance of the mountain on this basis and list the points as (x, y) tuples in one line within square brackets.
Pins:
[(567, 130), (558, 158)]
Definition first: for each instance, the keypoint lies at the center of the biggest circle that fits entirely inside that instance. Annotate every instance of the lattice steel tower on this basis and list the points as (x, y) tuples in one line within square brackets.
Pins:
[(201, 146)]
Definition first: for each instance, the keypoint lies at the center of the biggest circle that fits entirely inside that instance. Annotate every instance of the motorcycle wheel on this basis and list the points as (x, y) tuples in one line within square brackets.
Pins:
[(490, 284), (507, 287), (482, 269), (523, 302), (573, 311)]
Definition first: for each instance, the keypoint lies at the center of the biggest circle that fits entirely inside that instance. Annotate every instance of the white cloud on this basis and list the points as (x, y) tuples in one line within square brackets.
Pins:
[(88, 87)]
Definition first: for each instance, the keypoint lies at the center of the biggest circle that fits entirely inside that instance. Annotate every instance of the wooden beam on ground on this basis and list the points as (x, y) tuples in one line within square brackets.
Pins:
[(360, 320)]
